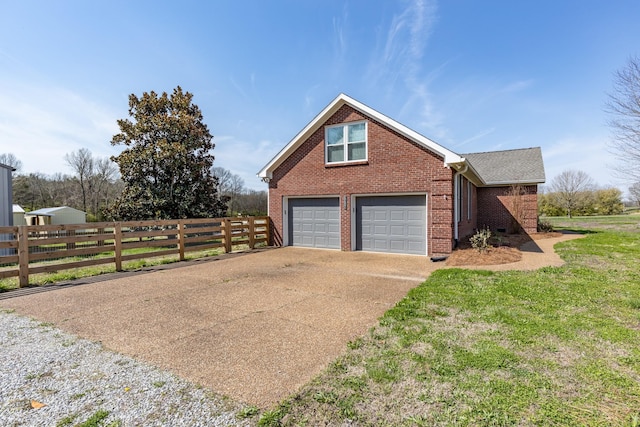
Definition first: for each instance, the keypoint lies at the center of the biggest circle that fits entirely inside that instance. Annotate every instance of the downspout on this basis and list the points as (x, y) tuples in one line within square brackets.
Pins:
[(456, 203)]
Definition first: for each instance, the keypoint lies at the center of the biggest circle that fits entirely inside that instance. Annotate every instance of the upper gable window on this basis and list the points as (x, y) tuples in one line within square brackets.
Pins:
[(346, 142)]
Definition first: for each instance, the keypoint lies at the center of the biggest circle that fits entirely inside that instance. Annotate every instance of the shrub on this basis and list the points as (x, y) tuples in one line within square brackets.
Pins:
[(480, 240), (544, 226)]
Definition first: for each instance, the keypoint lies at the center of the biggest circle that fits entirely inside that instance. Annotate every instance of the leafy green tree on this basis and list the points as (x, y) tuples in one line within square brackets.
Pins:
[(549, 205), (608, 201), (166, 165)]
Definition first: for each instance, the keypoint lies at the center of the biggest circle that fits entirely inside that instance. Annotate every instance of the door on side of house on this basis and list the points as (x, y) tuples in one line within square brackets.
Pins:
[(314, 222), (392, 224)]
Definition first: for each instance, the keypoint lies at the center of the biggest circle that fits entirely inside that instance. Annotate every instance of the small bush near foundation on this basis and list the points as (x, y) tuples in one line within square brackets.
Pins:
[(544, 226), (480, 240)]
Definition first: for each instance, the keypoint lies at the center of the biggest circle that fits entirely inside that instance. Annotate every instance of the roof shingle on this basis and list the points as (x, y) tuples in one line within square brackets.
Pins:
[(521, 166)]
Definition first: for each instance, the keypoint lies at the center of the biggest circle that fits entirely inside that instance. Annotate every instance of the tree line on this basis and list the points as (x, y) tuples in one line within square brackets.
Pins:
[(575, 193), (165, 170), (95, 184)]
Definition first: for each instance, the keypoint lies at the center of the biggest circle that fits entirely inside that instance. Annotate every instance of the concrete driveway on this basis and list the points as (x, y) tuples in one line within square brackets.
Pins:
[(254, 326)]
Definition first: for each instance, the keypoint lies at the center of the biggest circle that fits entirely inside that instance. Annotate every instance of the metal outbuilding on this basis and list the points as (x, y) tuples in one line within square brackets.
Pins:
[(18, 215), (55, 216), (6, 201)]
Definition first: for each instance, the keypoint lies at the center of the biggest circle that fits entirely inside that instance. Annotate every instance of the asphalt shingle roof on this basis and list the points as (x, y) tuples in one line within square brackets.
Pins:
[(521, 166)]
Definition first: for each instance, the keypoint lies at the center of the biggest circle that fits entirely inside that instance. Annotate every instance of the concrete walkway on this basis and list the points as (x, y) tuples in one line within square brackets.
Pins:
[(254, 327)]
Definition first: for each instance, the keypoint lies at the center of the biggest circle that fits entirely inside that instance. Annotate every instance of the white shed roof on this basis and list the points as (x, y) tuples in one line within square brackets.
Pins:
[(52, 211)]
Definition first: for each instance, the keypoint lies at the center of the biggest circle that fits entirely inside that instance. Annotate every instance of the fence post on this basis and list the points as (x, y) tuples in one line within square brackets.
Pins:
[(100, 233), (181, 237), (23, 255), (252, 233), (267, 224), (227, 235), (117, 243), (71, 233)]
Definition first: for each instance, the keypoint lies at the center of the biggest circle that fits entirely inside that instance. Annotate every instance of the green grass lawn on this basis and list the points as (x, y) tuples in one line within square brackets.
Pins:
[(555, 347), (627, 222)]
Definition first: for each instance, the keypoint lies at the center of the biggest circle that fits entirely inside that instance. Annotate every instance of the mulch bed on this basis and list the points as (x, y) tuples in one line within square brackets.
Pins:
[(504, 250)]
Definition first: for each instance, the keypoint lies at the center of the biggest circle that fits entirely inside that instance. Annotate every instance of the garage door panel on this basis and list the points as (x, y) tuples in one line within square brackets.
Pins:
[(415, 231), (397, 230), (380, 216), (395, 224), (314, 222), (397, 215), (413, 215), (415, 246)]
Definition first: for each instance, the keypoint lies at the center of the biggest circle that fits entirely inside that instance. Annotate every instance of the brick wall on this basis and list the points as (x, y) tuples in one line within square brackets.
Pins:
[(394, 165), (499, 208)]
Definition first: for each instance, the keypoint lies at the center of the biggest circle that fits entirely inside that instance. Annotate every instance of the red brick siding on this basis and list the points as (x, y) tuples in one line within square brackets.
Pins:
[(496, 208), (394, 165)]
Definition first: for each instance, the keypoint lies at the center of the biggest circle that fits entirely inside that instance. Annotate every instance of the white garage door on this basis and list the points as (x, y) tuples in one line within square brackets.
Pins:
[(315, 223), (393, 224)]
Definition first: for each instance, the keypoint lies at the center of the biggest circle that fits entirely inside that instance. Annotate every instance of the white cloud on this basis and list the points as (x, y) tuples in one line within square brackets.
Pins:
[(476, 137), (41, 124), (516, 86), (405, 39)]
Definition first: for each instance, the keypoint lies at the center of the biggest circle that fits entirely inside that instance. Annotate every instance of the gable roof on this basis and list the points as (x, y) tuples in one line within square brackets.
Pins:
[(449, 156), (17, 209), (521, 166)]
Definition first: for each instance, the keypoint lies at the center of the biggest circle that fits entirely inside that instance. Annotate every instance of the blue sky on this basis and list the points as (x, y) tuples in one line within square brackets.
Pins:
[(471, 75)]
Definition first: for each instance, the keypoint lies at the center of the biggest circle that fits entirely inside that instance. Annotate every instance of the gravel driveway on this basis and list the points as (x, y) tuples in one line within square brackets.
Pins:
[(253, 327)]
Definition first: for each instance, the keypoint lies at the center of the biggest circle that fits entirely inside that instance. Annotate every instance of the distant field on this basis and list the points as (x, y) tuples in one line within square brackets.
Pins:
[(625, 222)]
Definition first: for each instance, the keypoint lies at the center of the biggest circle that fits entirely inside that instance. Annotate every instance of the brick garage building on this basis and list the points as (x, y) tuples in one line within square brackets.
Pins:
[(355, 179)]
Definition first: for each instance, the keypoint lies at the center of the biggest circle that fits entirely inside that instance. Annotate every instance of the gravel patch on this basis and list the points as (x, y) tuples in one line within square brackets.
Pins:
[(76, 379)]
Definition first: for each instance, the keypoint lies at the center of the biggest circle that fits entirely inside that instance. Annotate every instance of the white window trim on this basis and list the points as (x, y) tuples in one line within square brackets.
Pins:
[(345, 143)]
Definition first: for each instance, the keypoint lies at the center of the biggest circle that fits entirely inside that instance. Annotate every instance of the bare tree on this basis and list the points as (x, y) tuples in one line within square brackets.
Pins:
[(624, 107), (252, 202), (571, 187), (10, 159), (224, 178), (236, 187), (102, 180), (230, 187), (634, 191), (516, 193), (81, 162)]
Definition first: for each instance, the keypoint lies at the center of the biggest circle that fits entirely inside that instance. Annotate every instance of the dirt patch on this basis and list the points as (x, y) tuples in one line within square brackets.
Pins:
[(504, 250)]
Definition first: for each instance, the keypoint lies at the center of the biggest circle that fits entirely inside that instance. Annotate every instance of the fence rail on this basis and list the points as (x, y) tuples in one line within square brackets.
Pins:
[(31, 249)]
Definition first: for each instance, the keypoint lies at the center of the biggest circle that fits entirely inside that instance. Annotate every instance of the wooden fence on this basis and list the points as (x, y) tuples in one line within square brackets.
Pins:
[(26, 249)]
